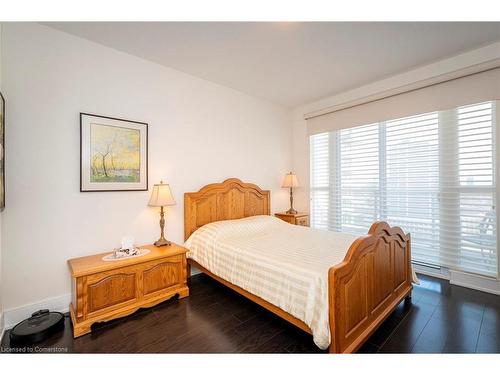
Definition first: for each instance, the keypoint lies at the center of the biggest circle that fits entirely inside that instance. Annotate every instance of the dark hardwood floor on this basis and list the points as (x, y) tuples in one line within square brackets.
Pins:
[(214, 319)]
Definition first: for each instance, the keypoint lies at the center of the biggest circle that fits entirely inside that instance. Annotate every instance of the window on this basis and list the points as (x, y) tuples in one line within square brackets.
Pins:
[(432, 174)]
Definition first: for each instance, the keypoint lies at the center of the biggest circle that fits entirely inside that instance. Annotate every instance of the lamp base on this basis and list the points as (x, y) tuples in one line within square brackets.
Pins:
[(291, 211), (162, 242)]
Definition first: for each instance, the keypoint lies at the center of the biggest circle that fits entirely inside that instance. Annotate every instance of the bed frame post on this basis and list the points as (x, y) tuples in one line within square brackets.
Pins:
[(368, 285)]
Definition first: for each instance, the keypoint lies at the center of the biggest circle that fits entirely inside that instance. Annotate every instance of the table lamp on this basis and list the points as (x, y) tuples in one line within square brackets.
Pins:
[(290, 181), (161, 196)]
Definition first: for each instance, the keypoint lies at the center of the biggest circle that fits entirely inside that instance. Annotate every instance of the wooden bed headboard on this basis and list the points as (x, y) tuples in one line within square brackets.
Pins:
[(231, 199)]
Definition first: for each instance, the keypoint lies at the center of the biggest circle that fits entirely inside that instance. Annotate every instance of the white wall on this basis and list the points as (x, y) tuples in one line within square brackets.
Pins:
[(199, 133)]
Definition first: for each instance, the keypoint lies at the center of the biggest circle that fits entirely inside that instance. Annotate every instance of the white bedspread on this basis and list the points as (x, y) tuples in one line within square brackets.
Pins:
[(286, 265)]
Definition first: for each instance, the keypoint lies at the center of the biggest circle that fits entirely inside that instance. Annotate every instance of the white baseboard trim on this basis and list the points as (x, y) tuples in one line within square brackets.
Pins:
[(14, 316), (482, 283)]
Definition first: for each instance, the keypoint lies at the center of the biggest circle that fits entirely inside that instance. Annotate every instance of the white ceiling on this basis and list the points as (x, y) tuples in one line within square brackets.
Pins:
[(289, 63)]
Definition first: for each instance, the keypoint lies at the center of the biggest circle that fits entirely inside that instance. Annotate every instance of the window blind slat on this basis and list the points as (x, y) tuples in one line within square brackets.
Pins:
[(432, 174)]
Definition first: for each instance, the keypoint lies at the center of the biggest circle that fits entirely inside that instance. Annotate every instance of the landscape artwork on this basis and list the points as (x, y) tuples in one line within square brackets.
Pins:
[(113, 154)]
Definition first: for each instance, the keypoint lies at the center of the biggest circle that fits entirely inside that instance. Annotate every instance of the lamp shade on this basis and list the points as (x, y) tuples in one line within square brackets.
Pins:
[(290, 180), (161, 196)]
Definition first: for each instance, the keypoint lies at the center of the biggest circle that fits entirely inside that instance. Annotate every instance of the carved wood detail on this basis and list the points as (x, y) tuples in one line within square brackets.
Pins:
[(362, 290), (111, 290), (79, 296), (231, 199), (355, 293), (381, 275), (161, 276)]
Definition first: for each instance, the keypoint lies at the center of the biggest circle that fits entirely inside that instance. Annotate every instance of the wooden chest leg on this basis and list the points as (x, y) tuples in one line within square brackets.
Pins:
[(184, 293), (79, 329)]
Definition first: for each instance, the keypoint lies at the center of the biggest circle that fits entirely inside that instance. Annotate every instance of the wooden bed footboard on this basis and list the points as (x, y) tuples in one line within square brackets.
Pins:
[(366, 287)]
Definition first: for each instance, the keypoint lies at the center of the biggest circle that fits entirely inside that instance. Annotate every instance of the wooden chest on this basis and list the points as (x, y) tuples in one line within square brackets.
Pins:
[(105, 290)]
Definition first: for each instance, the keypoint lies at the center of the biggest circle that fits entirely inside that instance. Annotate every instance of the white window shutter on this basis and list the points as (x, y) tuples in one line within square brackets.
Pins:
[(432, 174)]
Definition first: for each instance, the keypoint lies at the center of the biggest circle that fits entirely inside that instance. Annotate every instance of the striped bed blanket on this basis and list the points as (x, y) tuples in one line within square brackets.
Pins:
[(284, 264)]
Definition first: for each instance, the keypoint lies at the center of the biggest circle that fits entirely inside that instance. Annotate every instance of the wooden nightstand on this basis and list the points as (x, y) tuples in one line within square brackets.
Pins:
[(299, 218), (106, 290)]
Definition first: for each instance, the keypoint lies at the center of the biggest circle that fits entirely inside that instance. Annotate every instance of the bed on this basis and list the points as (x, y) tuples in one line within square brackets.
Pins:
[(335, 286)]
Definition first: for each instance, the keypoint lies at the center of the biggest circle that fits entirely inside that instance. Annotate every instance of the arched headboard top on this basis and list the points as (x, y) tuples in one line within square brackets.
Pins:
[(228, 200)]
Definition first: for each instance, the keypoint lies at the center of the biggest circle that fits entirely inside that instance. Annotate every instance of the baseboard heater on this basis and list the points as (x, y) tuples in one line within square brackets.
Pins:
[(465, 279)]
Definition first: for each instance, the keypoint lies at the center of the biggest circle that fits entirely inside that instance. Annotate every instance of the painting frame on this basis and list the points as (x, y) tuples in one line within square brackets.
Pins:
[(89, 181), (2, 152)]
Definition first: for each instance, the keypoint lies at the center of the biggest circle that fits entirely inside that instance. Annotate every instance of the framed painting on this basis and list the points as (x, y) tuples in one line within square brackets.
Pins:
[(113, 154), (2, 153)]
